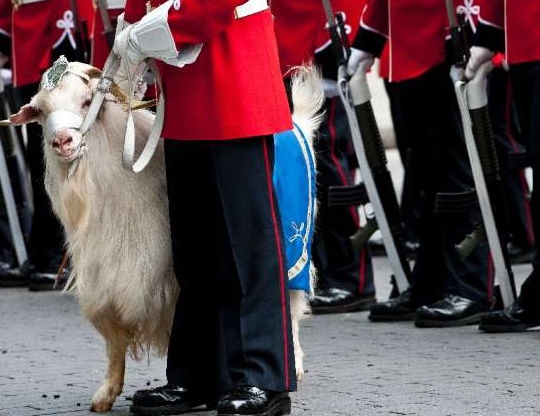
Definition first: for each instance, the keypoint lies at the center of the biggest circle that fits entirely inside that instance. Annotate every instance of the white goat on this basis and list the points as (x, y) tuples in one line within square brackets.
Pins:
[(116, 221)]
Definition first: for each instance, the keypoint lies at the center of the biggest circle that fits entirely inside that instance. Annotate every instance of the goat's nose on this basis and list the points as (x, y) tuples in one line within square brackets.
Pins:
[(61, 140)]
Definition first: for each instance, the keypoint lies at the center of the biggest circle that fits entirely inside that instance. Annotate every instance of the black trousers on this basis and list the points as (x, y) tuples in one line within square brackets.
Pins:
[(411, 194), (232, 320), (509, 140), (338, 264), (431, 119), (526, 88)]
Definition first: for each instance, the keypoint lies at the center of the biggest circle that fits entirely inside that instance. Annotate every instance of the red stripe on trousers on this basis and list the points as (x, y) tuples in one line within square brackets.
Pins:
[(273, 210)]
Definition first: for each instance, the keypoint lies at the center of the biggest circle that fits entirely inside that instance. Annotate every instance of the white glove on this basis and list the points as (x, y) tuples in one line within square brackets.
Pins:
[(151, 37), (357, 58), (479, 56), (127, 49)]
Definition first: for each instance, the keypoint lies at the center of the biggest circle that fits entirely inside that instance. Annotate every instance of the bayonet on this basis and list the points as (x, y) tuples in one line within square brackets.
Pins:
[(370, 152)]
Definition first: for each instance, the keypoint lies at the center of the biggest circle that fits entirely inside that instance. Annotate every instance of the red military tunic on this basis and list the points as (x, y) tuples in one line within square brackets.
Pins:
[(100, 47), (416, 31), (5, 26), (222, 95), (302, 30), (36, 29), (521, 23)]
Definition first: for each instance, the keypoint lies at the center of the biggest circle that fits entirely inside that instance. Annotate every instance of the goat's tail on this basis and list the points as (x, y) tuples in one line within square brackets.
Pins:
[(307, 98)]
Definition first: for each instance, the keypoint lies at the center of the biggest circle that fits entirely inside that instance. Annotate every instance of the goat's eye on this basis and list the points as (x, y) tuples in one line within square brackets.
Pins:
[(87, 102)]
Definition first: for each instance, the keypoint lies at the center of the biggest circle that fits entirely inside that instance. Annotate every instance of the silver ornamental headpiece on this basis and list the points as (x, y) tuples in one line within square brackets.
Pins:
[(54, 74)]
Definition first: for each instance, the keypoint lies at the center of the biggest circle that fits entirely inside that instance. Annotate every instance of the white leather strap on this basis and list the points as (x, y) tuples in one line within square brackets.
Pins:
[(250, 7), (61, 119), (105, 82), (128, 155)]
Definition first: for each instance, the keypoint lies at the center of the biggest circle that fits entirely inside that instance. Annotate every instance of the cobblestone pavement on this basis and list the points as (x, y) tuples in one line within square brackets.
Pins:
[(51, 361)]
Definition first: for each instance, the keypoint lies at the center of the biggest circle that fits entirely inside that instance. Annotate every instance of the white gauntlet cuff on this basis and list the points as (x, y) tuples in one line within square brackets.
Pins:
[(153, 38)]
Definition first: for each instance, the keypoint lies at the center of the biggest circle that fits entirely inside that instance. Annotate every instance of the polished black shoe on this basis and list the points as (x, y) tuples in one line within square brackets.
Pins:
[(253, 401), (169, 400), (399, 308), (451, 311), (511, 319), (334, 300), (12, 276), (520, 255), (41, 281)]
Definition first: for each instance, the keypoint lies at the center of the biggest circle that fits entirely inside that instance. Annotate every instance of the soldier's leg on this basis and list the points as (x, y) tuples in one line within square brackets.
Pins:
[(508, 141), (431, 105), (344, 276)]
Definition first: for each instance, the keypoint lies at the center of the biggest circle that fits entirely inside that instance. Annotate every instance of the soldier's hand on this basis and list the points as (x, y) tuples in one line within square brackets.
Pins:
[(479, 56), (16, 4), (359, 58)]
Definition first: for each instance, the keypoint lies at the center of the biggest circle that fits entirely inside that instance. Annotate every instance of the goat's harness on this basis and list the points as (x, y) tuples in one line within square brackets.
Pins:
[(61, 118)]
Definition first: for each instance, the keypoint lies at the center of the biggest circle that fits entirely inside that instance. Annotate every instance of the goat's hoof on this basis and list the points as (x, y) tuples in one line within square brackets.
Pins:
[(104, 398), (299, 373), (101, 407)]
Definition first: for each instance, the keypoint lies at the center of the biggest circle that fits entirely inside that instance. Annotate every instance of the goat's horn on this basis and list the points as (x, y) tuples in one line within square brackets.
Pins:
[(5, 123)]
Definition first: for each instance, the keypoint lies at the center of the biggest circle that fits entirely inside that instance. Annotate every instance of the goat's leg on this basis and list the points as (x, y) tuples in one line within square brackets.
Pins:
[(111, 387), (299, 306)]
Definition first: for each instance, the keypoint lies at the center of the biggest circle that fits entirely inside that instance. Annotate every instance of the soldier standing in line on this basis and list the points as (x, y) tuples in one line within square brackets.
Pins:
[(231, 342), (444, 290), (344, 276), (512, 28)]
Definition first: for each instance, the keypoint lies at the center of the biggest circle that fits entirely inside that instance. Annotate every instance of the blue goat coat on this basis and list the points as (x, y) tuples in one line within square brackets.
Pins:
[(294, 181)]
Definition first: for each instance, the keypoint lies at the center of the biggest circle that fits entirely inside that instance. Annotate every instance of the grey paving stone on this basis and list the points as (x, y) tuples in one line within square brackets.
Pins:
[(51, 361)]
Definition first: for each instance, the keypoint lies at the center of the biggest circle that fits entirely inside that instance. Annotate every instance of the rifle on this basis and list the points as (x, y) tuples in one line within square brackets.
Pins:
[(6, 184), (109, 30), (369, 149), (480, 143), (81, 35)]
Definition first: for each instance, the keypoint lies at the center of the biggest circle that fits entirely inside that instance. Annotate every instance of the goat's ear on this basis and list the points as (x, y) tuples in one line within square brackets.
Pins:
[(93, 72), (27, 114)]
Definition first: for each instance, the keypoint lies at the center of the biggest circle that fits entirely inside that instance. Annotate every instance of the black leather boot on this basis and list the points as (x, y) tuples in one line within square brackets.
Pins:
[(169, 400), (511, 319), (335, 300), (400, 308), (451, 311), (253, 401)]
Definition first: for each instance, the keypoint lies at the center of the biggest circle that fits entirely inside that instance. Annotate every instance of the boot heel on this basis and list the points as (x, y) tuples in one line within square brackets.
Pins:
[(284, 407)]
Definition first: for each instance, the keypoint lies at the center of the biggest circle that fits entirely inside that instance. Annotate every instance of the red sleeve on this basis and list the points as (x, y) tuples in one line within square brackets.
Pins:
[(296, 26), (86, 13), (373, 32), (5, 27), (195, 21), (490, 32), (375, 17), (492, 13)]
